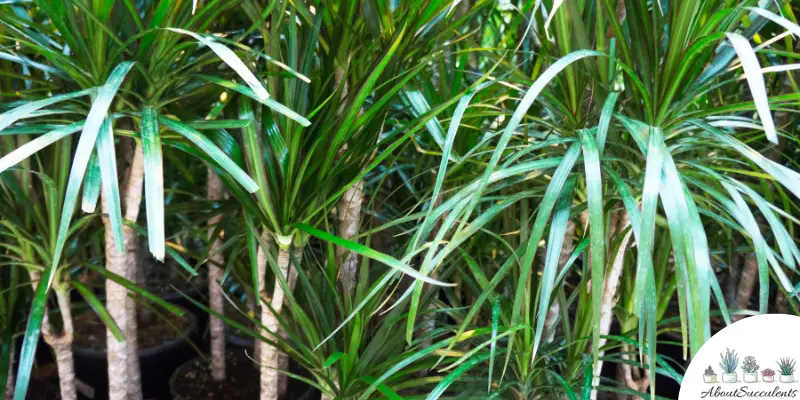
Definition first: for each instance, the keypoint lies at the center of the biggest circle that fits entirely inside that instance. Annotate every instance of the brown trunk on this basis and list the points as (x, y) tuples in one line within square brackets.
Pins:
[(349, 212), (10, 380), (270, 385), (747, 281), (215, 291), (124, 381), (609, 294)]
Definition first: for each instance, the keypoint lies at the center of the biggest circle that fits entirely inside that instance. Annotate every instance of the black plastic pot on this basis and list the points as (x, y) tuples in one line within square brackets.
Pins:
[(244, 374), (241, 341), (156, 364)]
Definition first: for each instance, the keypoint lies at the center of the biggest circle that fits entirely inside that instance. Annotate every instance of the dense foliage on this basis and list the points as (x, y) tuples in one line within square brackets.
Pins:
[(422, 198)]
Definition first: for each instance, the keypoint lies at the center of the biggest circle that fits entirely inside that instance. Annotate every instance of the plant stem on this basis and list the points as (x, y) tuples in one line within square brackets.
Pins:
[(10, 380), (607, 307), (270, 385), (747, 282), (123, 362), (61, 343), (283, 358), (215, 291), (62, 346), (349, 209)]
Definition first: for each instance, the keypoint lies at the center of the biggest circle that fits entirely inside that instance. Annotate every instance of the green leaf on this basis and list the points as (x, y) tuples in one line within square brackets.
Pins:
[(26, 150), (493, 347), (555, 241), (597, 248), (605, 120), (755, 79), (229, 57), (646, 238), (333, 359), (28, 110), (385, 390), (91, 185), (280, 108), (212, 150), (153, 182), (371, 254), (455, 375), (107, 158)]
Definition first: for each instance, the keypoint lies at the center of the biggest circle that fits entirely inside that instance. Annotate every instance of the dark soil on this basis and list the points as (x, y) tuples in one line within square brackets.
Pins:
[(235, 335), (192, 381), (153, 330), (42, 390)]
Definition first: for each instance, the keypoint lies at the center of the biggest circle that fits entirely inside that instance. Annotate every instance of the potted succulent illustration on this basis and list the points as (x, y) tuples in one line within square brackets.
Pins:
[(750, 368), (729, 362), (768, 375), (709, 376), (786, 367)]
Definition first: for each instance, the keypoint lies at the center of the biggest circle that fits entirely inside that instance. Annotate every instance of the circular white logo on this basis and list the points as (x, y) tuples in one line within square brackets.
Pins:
[(755, 358)]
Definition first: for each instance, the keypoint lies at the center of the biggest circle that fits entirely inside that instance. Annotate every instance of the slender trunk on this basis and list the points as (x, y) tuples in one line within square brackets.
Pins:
[(10, 380), (115, 303), (61, 343), (215, 293), (349, 210), (270, 385), (283, 358), (261, 296), (124, 382), (131, 332), (608, 301), (747, 281), (633, 377)]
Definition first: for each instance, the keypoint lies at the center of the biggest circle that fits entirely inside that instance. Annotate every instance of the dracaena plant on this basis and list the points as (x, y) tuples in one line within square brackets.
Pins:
[(650, 103), (134, 70), (353, 71), (635, 133)]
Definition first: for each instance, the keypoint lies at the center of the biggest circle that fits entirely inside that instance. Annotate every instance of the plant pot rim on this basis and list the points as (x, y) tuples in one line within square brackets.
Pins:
[(101, 353), (240, 341)]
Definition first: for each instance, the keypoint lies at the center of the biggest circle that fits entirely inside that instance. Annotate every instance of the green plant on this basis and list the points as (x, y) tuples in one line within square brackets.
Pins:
[(786, 366), (709, 371), (456, 198), (749, 365), (729, 361)]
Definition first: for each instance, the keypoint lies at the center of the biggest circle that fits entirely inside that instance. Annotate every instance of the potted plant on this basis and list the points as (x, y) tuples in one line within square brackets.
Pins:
[(729, 362), (750, 368), (768, 375), (709, 376), (786, 366)]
